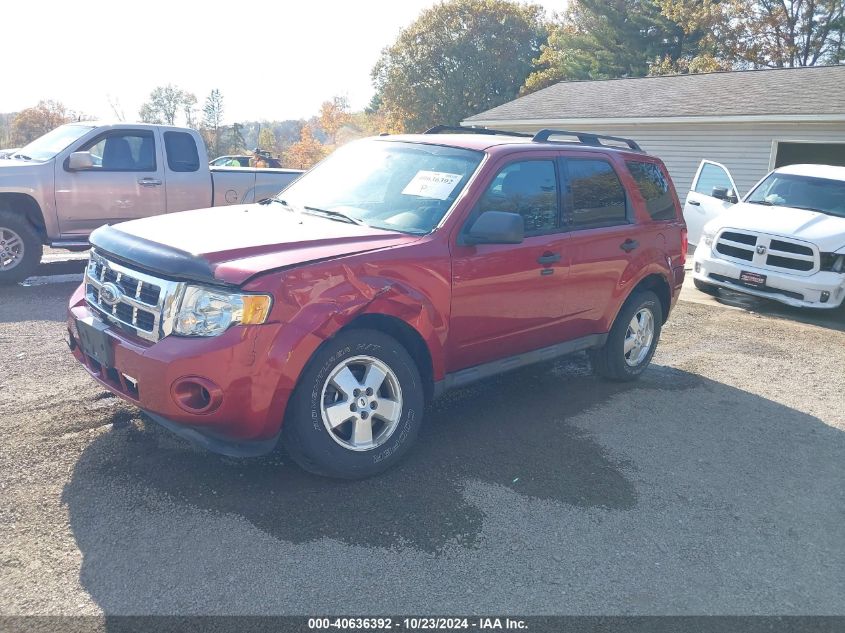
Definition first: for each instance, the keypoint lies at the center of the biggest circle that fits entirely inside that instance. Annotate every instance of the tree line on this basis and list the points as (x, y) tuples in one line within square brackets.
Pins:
[(461, 57)]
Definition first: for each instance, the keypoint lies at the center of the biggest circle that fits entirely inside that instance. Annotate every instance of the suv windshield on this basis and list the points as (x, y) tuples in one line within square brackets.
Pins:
[(392, 185), (47, 146), (801, 192)]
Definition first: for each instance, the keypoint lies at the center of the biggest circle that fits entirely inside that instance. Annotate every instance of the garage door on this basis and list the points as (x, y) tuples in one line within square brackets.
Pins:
[(791, 153)]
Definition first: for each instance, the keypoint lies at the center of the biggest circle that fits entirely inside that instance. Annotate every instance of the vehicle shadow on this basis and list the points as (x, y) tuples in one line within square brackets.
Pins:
[(38, 301), (513, 432), (832, 319)]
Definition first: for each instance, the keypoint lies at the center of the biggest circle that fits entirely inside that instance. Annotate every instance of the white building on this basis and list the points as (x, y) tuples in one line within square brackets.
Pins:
[(751, 121)]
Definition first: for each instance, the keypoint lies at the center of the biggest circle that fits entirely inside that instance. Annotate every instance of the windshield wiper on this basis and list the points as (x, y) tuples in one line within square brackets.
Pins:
[(764, 202), (807, 209), (335, 215)]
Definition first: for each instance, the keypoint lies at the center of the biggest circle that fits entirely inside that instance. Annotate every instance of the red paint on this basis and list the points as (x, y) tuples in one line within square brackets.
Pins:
[(468, 304)]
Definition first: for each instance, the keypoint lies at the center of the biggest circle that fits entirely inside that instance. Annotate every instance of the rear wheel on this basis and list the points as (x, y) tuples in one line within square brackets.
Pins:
[(20, 248), (632, 340), (357, 408)]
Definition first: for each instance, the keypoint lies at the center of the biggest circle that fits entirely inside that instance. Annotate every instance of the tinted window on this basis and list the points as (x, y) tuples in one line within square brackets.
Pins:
[(654, 187), (598, 198), (123, 151), (181, 151), (528, 188), (712, 176)]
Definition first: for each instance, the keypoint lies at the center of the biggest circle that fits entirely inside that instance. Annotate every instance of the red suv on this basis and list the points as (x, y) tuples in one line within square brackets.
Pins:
[(399, 267)]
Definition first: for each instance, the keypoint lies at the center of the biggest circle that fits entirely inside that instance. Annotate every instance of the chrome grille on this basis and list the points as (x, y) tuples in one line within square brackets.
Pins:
[(134, 301), (768, 252)]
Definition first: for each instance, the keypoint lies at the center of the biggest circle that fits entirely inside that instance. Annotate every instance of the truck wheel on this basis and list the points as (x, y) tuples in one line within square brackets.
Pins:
[(20, 248), (632, 340), (357, 408), (708, 289)]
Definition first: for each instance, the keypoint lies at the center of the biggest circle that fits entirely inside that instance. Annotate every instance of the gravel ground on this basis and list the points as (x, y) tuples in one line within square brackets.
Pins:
[(713, 485)]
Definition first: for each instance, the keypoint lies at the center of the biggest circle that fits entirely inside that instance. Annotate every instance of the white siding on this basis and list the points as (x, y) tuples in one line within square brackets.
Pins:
[(745, 149)]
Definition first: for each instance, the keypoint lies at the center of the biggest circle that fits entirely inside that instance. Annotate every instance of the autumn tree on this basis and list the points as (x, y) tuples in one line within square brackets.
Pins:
[(602, 39), (306, 152), (166, 103), (334, 115), (212, 119), (765, 33), (267, 139), (458, 58), (33, 122)]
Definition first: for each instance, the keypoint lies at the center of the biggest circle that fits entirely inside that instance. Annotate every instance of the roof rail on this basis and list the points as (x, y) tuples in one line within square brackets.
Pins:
[(587, 138), (445, 129)]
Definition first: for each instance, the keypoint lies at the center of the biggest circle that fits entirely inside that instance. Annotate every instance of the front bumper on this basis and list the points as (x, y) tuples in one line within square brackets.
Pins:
[(248, 386), (793, 290)]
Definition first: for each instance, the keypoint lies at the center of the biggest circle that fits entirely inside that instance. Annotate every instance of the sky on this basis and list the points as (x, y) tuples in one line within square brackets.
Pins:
[(271, 60)]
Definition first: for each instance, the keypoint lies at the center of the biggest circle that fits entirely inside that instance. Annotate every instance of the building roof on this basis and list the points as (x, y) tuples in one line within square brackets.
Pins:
[(812, 93)]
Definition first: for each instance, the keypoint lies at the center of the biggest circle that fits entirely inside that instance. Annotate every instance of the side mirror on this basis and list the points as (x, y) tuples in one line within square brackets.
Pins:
[(723, 193), (80, 160), (497, 227)]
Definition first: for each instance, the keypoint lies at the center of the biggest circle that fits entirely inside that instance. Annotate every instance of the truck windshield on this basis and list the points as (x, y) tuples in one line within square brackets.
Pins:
[(801, 192), (392, 185), (47, 146)]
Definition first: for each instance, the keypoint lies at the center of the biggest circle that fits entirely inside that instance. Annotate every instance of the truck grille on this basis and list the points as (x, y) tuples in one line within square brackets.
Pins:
[(768, 251), (134, 301)]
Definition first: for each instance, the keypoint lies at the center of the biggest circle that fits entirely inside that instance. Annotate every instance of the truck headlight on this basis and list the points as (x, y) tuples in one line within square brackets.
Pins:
[(210, 312), (707, 237)]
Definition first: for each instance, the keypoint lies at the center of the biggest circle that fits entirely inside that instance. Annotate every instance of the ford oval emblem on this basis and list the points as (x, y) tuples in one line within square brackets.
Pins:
[(110, 293)]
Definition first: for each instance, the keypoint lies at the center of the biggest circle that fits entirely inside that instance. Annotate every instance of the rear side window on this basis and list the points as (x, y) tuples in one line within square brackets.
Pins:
[(181, 151), (597, 197), (526, 187), (654, 187)]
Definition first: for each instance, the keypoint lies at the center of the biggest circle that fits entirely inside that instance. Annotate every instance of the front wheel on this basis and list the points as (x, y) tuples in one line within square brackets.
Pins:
[(357, 408), (632, 340), (20, 248)]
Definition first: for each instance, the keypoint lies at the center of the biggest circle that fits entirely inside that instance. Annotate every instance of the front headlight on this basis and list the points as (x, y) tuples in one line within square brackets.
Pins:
[(707, 237), (210, 312)]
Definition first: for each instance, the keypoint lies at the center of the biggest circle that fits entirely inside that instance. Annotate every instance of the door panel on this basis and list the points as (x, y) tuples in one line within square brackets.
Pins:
[(700, 206), (508, 298), (126, 182)]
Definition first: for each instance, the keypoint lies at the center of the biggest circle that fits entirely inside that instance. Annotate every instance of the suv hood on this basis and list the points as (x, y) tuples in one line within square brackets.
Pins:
[(827, 232), (232, 244)]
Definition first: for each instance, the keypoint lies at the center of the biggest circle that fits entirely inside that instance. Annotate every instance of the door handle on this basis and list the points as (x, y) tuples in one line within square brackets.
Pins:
[(548, 258), (694, 203), (629, 245), (149, 182)]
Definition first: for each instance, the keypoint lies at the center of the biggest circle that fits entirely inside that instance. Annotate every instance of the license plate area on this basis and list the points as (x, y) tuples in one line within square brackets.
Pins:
[(94, 341), (755, 280)]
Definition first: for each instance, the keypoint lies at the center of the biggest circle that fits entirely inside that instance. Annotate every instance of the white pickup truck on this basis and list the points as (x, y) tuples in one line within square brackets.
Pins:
[(784, 241), (81, 176)]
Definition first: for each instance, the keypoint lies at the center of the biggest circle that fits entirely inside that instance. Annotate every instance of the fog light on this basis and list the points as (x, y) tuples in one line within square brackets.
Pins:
[(825, 296), (697, 267), (195, 394)]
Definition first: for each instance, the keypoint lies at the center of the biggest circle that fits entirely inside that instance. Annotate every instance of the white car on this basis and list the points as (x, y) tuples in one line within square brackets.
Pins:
[(785, 241)]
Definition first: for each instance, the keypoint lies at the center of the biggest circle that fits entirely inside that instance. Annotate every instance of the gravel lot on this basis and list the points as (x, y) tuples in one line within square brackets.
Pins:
[(713, 485)]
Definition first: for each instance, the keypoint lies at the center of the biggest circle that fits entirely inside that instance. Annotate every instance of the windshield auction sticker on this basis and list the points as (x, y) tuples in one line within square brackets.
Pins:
[(432, 184)]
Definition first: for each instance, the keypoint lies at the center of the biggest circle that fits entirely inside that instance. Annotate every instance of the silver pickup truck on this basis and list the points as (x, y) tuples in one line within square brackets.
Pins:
[(80, 176)]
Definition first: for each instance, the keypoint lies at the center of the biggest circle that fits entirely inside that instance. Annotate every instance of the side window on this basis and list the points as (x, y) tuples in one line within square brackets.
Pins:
[(654, 187), (712, 176), (123, 151), (181, 151), (597, 196), (528, 188)]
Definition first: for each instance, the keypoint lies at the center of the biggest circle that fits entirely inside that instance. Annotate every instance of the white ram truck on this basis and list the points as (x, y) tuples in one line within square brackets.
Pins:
[(785, 241), (80, 176)]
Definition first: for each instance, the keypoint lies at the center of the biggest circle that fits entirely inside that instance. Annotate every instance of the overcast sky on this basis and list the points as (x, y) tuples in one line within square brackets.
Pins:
[(272, 60)]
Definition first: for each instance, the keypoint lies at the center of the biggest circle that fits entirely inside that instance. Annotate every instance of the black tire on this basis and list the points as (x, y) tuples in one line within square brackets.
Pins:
[(17, 224), (708, 289), (610, 360), (306, 436)]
